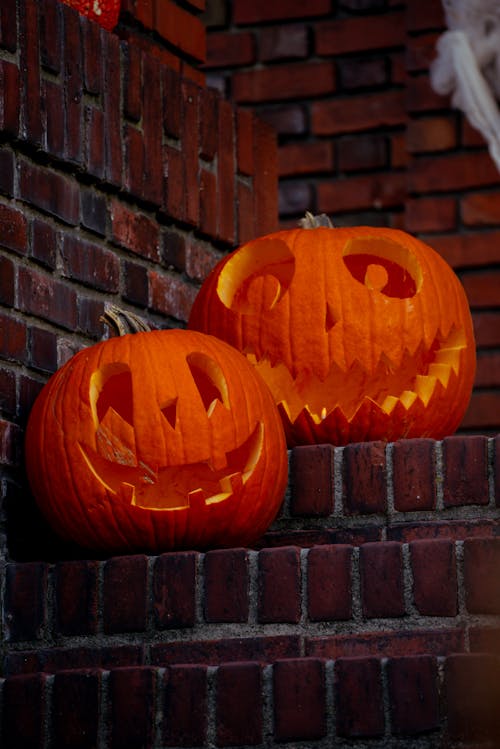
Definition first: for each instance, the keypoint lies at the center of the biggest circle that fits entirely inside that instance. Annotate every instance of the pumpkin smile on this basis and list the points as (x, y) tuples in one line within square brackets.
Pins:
[(177, 487)]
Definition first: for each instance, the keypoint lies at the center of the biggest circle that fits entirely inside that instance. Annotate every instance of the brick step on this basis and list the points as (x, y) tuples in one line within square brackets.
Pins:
[(425, 699), (385, 598)]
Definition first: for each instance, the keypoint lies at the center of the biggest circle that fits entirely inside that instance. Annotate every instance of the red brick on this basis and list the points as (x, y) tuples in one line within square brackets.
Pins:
[(354, 74), (13, 229), (413, 694), (92, 56), (208, 203), (473, 697), (230, 50), (245, 217), (94, 211), (132, 696), (286, 119), (29, 67), (47, 298), (73, 87), (481, 208), (124, 594), (25, 600), (365, 477), (95, 156), (413, 472), (431, 214), (214, 652), (372, 192), (496, 468), (53, 94), (244, 141), (486, 328), (7, 166), (134, 159), (424, 14), (329, 582), (170, 295), (265, 179), (90, 313), (8, 27), (180, 28), (174, 198), (239, 704), (10, 105), (483, 411), (456, 530), (279, 585), (50, 35), (465, 468), (200, 259), (76, 615), (208, 106), (362, 152), (434, 577), (8, 389), (471, 249), (484, 640), (420, 96), (427, 134), (51, 191), (7, 281), (21, 727), (185, 707), (456, 171), (13, 338), (10, 443), (171, 87), (488, 370), (358, 697), (225, 173), (152, 122), (133, 82), (481, 565), (43, 350), (291, 81), (381, 568), (421, 51), (90, 263), (312, 481), (190, 146), (299, 699), (112, 92), (75, 693), (290, 42), (346, 35), (304, 158), (135, 231), (357, 113), (226, 585), (260, 10)]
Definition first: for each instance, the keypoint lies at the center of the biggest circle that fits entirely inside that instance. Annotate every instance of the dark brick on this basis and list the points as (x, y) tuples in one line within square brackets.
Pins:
[(381, 569), (481, 566), (434, 577), (174, 198), (43, 347), (484, 639), (13, 229), (73, 86), (135, 231), (226, 148), (90, 264), (29, 47), (132, 697), (388, 643), (365, 477), (239, 704), (53, 94), (7, 282), (50, 191), (172, 110), (22, 727), (414, 475), (133, 82), (44, 243), (173, 249), (13, 338), (89, 317), (75, 694), (6, 172), (25, 600), (136, 283), (50, 35), (95, 153), (465, 467), (185, 708), (226, 585), (312, 480), (496, 468), (413, 694), (124, 592), (8, 27), (76, 614), (10, 106), (208, 100), (152, 123), (92, 56), (94, 211), (279, 585), (174, 590), (230, 649), (112, 93), (329, 583), (8, 390), (48, 298), (208, 203), (299, 699), (473, 697), (358, 697)]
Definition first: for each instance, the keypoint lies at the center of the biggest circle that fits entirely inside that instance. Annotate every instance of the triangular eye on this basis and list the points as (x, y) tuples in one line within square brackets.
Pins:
[(169, 410), (111, 388), (209, 380)]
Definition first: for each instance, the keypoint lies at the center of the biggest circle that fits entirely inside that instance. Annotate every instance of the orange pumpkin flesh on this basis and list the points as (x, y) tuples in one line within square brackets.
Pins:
[(360, 333), (155, 441), (103, 12)]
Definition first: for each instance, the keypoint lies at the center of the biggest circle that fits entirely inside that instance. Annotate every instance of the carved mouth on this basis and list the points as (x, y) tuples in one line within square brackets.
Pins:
[(178, 486), (313, 404)]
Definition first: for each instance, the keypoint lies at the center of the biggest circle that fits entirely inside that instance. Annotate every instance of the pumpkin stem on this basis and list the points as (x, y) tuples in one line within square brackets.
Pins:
[(314, 222), (122, 321)]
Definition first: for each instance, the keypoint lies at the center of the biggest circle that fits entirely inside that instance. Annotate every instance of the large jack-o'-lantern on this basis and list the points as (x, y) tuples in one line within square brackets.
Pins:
[(361, 333), (157, 440)]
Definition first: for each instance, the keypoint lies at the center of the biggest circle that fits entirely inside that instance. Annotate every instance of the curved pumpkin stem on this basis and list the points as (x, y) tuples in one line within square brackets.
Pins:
[(122, 321), (314, 222)]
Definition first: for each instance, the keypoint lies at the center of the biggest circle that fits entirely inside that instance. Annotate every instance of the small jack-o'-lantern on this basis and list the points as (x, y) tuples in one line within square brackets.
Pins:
[(158, 440), (361, 333), (103, 12)]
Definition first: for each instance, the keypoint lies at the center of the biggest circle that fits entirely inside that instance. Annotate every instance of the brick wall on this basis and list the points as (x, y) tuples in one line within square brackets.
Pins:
[(363, 137)]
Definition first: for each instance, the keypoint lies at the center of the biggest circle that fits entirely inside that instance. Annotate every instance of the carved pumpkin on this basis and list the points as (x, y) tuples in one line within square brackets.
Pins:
[(361, 333), (155, 441), (103, 12)]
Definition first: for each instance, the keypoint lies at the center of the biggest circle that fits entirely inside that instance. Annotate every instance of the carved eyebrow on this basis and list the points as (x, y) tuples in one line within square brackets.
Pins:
[(209, 379)]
